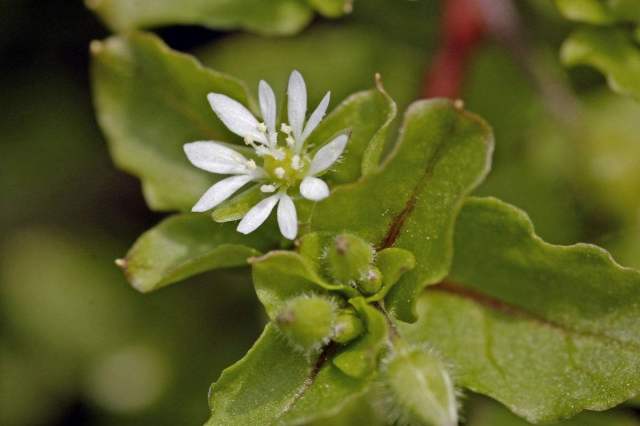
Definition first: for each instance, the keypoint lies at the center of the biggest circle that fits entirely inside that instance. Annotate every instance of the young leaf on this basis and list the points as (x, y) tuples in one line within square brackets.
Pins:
[(274, 385), (611, 51), (187, 244), (547, 330), (266, 17), (412, 202), (150, 101)]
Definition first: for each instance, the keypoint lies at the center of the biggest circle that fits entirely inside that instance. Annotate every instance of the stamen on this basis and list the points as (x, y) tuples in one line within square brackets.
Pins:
[(251, 164), (296, 164), (285, 128), (280, 172), (262, 128), (290, 140), (268, 188), (261, 150), (278, 154)]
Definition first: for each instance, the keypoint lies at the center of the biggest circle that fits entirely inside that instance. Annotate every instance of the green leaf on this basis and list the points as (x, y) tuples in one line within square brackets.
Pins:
[(443, 153), (273, 385), (150, 101), (187, 244), (265, 17), (360, 358), (367, 116), (332, 8), (613, 52), (490, 413), (600, 12), (420, 387), (282, 275), (547, 330)]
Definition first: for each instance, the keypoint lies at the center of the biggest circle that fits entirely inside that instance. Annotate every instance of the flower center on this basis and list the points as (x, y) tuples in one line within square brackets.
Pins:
[(288, 169)]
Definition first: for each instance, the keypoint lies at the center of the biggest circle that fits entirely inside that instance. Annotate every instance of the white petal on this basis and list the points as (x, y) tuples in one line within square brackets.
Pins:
[(328, 154), (314, 189), (316, 116), (287, 217), (297, 103), (267, 105), (236, 117), (257, 215), (215, 158), (220, 192)]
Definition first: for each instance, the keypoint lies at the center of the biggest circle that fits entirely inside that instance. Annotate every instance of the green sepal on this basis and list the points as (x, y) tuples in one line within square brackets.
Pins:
[(360, 357), (237, 206)]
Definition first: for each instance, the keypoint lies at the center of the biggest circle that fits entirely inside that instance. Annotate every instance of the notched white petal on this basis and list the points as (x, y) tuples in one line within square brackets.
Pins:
[(215, 157), (257, 215), (316, 116), (236, 117), (287, 217), (297, 103), (328, 154), (220, 192), (267, 105), (314, 189)]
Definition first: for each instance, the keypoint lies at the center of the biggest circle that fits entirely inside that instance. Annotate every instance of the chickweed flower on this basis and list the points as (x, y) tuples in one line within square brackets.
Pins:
[(283, 168)]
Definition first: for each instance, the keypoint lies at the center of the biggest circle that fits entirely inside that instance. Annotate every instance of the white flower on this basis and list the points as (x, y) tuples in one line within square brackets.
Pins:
[(286, 164)]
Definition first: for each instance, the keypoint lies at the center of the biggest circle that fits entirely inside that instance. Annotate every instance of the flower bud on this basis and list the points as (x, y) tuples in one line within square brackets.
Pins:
[(349, 258), (308, 322), (420, 388), (371, 282), (348, 326)]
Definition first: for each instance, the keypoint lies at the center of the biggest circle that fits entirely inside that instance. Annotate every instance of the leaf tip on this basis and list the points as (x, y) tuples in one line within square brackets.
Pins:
[(122, 263), (458, 104)]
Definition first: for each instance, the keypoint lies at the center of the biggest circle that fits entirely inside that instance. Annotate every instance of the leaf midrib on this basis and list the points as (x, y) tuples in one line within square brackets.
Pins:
[(511, 310)]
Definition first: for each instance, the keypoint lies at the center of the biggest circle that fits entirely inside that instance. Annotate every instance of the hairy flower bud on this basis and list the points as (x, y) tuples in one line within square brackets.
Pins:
[(349, 258), (348, 326), (308, 322)]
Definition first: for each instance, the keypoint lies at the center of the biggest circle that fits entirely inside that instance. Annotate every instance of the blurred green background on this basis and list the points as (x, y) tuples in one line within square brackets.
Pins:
[(78, 346)]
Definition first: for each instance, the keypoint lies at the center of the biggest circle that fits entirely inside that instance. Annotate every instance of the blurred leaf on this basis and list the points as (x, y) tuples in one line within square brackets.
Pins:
[(412, 203), (332, 8), (275, 384), (608, 157), (547, 330), (611, 51), (319, 54), (267, 17), (187, 244), (490, 413), (150, 101), (600, 12)]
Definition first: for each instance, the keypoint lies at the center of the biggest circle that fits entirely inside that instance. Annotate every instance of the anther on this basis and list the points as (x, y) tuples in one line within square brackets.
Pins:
[(262, 128), (280, 172), (285, 128), (268, 188)]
